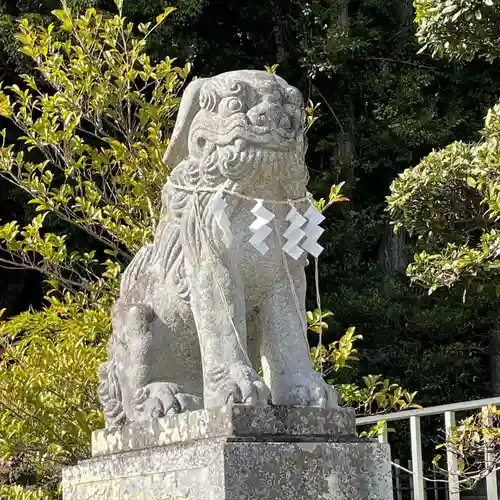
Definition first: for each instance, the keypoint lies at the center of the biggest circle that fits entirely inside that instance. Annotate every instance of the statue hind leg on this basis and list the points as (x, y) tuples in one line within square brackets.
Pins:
[(144, 377)]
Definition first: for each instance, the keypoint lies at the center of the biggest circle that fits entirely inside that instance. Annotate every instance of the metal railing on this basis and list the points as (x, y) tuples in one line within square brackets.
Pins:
[(414, 416)]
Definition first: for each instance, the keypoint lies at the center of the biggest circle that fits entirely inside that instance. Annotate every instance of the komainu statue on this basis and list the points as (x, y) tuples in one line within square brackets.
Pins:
[(221, 290)]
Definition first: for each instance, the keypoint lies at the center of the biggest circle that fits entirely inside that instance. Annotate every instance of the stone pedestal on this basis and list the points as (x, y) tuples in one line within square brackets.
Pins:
[(236, 453)]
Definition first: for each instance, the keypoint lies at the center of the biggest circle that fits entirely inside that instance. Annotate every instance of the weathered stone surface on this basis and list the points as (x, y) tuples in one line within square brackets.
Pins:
[(239, 421), (339, 471), (201, 309), (218, 469), (235, 453)]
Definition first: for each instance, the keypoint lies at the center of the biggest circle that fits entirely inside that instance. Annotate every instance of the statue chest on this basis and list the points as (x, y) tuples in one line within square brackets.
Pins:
[(260, 271)]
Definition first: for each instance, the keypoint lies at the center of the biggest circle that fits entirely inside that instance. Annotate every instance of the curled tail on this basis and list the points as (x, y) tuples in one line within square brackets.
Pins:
[(110, 394), (136, 267)]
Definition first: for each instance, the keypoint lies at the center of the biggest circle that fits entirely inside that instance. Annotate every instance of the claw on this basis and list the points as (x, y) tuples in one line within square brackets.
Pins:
[(312, 391), (239, 384), (159, 399), (189, 402)]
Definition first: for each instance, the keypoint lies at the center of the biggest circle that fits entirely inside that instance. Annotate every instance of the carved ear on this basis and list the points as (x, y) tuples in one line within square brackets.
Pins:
[(190, 105)]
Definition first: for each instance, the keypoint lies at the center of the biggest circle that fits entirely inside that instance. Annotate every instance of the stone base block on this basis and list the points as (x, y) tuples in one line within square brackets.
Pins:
[(237, 453)]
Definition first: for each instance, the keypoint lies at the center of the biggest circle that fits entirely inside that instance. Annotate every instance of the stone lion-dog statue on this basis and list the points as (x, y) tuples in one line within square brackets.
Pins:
[(197, 317)]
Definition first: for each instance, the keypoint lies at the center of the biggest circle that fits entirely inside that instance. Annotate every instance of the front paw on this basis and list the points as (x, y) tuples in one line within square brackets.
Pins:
[(159, 399), (308, 390), (238, 384)]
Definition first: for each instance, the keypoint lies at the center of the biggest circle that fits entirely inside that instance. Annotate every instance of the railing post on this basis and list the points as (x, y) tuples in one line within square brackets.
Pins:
[(491, 478), (397, 471), (416, 459), (410, 478), (436, 489), (451, 460), (417, 485)]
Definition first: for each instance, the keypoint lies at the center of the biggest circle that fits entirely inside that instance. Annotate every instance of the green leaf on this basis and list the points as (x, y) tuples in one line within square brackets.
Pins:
[(161, 17), (64, 15), (271, 69)]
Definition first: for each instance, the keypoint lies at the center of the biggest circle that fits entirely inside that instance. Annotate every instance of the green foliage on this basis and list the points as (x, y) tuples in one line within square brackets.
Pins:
[(271, 69), (468, 441), (12, 62), (102, 132), (335, 195), (462, 29), (434, 343), (100, 121), (451, 200), (48, 387), (441, 178), (20, 493), (375, 394)]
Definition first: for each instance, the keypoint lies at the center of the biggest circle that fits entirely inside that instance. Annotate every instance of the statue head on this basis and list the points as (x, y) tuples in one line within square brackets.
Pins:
[(238, 124)]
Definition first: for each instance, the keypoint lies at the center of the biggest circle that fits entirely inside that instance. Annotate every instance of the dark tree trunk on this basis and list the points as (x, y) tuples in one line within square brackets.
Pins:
[(392, 255), (346, 149), (345, 153), (279, 29), (406, 13)]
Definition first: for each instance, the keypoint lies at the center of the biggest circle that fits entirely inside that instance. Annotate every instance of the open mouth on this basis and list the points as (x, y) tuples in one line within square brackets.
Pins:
[(238, 128)]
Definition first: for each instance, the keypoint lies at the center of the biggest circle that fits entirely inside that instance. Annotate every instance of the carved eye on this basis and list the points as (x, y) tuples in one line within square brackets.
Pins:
[(234, 105), (230, 105)]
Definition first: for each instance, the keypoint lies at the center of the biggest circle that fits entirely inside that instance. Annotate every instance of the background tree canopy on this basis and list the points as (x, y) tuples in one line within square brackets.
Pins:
[(383, 107), (451, 200)]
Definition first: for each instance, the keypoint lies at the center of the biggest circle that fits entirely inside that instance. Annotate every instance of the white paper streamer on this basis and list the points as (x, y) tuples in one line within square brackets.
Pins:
[(313, 231), (220, 216), (294, 234), (260, 228)]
